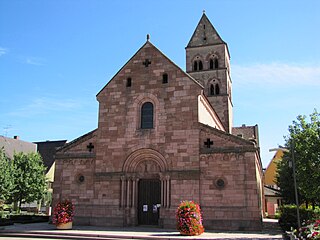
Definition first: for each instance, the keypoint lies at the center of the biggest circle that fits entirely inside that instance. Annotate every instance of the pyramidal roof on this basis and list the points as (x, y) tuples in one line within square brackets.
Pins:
[(205, 34)]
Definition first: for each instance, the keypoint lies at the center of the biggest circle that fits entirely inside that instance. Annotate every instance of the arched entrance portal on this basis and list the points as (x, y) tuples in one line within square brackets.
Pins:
[(145, 187)]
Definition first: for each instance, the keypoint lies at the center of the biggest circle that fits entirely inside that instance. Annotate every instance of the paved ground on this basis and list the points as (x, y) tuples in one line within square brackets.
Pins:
[(47, 231)]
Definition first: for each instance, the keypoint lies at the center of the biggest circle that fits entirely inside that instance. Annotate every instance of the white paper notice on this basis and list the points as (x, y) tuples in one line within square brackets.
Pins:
[(145, 208)]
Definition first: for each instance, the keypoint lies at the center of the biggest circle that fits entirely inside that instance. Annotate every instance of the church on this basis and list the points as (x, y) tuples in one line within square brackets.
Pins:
[(165, 135)]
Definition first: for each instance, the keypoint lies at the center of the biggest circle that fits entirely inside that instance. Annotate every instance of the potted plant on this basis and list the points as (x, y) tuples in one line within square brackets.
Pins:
[(63, 214), (189, 220)]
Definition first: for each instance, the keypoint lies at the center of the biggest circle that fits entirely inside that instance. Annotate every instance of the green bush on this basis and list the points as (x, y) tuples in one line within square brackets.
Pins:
[(288, 216)]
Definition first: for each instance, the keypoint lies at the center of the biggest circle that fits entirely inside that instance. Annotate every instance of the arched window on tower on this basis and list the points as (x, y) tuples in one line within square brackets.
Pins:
[(147, 115), (216, 63), (214, 89), (211, 64), (200, 65), (211, 93), (195, 66), (217, 89)]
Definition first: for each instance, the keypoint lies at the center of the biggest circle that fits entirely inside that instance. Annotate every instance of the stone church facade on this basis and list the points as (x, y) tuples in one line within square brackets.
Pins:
[(165, 135)]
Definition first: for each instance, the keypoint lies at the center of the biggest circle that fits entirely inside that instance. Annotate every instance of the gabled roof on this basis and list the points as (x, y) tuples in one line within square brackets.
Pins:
[(149, 44), (205, 34), (12, 145), (231, 137)]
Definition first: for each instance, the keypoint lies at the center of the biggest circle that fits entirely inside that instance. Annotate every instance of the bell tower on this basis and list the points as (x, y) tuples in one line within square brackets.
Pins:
[(208, 61)]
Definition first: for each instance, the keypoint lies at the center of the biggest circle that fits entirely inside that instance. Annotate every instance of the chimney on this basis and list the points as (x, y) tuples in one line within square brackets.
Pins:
[(16, 137)]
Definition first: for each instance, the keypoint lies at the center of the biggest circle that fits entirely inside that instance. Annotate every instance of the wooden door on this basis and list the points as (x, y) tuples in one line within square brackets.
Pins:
[(149, 191)]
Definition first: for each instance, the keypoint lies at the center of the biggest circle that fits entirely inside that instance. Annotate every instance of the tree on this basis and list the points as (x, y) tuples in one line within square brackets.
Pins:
[(29, 178), (304, 140), (6, 180)]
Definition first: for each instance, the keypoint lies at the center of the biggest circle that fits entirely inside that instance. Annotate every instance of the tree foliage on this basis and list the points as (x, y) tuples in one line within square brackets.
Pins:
[(6, 180), (303, 143), (29, 178)]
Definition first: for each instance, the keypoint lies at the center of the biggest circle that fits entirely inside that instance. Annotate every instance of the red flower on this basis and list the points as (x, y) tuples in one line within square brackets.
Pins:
[(63, 212), (189, 220)]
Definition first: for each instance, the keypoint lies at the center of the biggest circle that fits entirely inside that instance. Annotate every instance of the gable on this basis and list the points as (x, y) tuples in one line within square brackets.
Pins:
[(222, 141), (80, 144), (148, 52)]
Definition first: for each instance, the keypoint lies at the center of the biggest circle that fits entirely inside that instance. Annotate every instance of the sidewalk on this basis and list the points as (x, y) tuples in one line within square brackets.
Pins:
[(92, 232)]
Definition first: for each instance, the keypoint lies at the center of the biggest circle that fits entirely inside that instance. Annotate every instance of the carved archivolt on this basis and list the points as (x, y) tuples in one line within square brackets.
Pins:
[(142, 163), (145, 160)]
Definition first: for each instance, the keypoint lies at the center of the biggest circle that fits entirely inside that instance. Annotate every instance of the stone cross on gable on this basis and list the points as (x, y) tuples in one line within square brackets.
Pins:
[(90, 147), (208, 143), (146, 62)]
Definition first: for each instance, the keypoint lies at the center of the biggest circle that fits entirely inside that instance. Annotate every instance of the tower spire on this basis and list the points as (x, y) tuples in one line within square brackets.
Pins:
[(205, 34), (208, 62)]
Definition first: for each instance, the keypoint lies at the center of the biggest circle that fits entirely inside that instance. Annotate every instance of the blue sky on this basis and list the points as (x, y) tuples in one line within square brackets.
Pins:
[(55, 56)]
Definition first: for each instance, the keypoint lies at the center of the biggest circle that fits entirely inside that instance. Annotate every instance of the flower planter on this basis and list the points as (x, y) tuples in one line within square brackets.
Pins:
[(64, 226), (63, 215), (189, 234), (189, 220)]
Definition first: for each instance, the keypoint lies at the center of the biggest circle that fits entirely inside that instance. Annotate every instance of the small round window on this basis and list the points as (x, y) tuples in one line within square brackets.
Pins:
[(220, 183), (80, 178)]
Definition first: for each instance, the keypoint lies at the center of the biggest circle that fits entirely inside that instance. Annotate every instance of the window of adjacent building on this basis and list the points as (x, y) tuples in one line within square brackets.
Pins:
[(129, 82), (147, 115), (165, 78)]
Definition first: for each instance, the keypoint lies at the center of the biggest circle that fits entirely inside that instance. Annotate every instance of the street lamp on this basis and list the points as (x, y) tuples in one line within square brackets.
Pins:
[(293, 165)]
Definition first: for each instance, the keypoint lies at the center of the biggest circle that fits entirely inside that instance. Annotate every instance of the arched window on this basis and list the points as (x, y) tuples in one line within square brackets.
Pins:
[(147, 115), (211, 90), (195, 66), (211, 64), (200, 65), (216, 63), (217, 89), (165, 78)]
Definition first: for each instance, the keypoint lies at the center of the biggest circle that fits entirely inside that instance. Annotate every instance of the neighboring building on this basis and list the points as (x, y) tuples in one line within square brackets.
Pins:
[(270, 174), (15, 145), (47, 150), (271, 190), (164, 136)]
